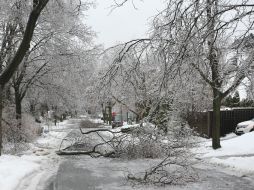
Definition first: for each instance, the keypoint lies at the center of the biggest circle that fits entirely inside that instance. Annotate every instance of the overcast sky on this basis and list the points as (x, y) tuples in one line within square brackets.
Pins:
[(123, 23)]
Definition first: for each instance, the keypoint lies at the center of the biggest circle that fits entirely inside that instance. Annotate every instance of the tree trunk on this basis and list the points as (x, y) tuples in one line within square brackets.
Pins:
[(216, 119), (110, 114), (211, 10), (1, 111), (18, 102), (103, 113), (18, 106), (32, 108)]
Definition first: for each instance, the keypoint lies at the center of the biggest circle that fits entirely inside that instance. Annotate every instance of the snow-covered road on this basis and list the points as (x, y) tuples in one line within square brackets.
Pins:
[(85, 173)]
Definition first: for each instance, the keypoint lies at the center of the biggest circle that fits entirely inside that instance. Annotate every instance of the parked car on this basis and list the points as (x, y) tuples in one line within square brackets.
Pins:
[(245, 127), (117, 121)]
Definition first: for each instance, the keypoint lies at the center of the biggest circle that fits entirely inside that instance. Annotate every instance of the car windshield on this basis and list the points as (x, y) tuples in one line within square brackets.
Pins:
[(118, 118)]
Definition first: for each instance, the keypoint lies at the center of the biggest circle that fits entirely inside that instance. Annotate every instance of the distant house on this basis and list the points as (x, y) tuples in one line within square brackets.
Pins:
[(125, 114)]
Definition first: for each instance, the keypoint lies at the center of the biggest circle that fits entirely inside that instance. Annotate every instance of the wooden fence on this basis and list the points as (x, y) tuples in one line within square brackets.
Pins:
[(202, 122)]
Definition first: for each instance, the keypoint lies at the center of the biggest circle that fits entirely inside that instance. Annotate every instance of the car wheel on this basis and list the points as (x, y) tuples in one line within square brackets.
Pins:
[(252, 129)]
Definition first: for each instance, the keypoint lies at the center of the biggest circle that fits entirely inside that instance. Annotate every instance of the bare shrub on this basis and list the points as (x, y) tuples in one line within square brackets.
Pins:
[(30, 128), (141, 142)]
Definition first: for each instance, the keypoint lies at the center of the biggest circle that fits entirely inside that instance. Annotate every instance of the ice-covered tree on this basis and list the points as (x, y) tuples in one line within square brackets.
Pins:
[(209, 36)]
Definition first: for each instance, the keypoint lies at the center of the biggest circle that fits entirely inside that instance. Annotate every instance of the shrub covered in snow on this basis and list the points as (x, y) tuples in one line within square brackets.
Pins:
[(17, 137)]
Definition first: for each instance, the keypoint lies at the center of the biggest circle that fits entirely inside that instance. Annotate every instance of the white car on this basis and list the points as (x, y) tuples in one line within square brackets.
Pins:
[(245, 127)]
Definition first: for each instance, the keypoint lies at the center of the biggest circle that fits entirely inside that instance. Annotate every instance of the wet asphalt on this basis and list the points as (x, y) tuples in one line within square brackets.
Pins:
[(102, 176)]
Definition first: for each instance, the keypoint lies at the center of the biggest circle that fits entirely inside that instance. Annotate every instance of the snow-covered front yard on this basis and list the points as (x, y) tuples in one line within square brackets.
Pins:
[(236, 152), (35, 163), (13, 169)]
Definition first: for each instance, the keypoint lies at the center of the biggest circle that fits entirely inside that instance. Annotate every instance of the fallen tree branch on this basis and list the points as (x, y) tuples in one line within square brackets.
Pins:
[(94, 151), (98, 130), (90, 153)]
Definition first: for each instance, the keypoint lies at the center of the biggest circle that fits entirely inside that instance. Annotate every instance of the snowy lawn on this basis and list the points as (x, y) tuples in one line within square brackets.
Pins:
[(15, 169), (238, 145), (236, 152)]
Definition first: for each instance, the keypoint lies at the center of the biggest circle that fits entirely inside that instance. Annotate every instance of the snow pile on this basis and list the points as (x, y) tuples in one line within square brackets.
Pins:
[(13, 169), (98, 120), (130, 126), (16, 170)]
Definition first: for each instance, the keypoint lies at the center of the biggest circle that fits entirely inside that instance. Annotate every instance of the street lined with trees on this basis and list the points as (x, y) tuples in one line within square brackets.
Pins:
[(130, 101)]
